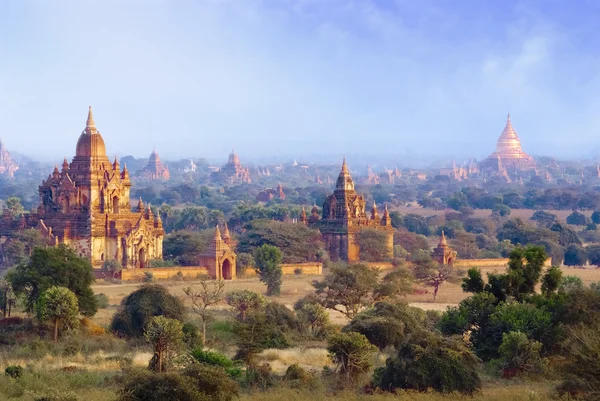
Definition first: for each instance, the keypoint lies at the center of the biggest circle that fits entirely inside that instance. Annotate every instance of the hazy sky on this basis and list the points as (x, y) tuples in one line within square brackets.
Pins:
[(300, 77)]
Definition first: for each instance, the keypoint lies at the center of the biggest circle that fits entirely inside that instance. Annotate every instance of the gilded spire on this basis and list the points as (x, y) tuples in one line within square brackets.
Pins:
[(140, 206), (90, 124), (217, 233), (344, 181), (443, 241), (226, 234)]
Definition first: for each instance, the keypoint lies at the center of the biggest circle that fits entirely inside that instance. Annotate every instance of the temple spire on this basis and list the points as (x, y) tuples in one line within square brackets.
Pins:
[(90, 124), (443, 241), (217, 233)]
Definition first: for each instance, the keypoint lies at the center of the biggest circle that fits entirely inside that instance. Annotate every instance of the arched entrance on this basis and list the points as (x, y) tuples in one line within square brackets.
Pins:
[(226, 269), (142, 258), (115, 205)]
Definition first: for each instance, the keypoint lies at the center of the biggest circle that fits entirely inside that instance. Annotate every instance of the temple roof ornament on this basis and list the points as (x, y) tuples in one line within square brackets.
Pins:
[(90, 143)]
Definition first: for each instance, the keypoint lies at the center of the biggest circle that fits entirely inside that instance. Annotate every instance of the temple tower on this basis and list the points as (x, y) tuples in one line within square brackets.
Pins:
[(219, 259), (443, 254), (508, 148)]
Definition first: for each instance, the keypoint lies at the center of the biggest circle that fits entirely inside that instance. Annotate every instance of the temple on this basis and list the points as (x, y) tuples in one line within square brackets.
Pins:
[(219, 259), (233, 172), (344, 216), (86, 206), (509, 154), (443, 254), (155, 169), (7, 164)]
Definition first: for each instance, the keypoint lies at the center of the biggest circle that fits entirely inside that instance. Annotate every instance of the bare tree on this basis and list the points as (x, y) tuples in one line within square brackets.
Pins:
[(209, 294)]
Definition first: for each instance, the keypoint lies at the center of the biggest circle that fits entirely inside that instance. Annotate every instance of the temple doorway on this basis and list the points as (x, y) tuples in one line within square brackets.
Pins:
[(226, 270), (142, 258), (115, 205)]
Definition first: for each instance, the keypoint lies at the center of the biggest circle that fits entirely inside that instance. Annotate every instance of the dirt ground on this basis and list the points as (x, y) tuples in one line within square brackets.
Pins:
[(296, 287)]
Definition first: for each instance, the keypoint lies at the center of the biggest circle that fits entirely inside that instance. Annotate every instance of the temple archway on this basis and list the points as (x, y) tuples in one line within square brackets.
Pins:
[(226, 270), (115, 204), (66, 205), (142, 258)]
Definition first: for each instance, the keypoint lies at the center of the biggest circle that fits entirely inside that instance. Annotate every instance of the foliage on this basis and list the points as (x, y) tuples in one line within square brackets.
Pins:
[(59, 306), (256, 333), (351, 352), (566, 235), (396, 283), (347, 290), (583, 349), (165, 335), (192, 336), (314, 318), (519, 354), (185, 247), (373, 245), (268, 263), (214, 358), (577, 218), (212, 381), (14, 371), (570, 283), (139, 307), (101, 301), (473, 282), (519, 232), (112, 267), (551, 280), (410, 241), (387, 324), (543, 218), (524, 270), (245, 302), (244, 261), (56, 266), (21, 245), (593, 254), (431, 362), (596, 217), (575, 255), (301, 243), (209, 294), (7, 298)]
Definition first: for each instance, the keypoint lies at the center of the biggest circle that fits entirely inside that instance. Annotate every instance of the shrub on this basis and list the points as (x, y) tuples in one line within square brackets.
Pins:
[(583, 369), (295, 372), (191, 335), (213, 358), (14, 371), (314, 319), (268, 262), (575, 255), (138, 308), (570, 283), (431, 362), (298, 271), (147, 386), (577, 218), (102, 301), (551, 280), (212, 382), (519, 354), (351, 352), (244, 302), (148, 277)]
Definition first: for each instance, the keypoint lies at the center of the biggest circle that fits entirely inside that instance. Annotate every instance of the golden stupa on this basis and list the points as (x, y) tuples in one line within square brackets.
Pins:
[(509, 152)]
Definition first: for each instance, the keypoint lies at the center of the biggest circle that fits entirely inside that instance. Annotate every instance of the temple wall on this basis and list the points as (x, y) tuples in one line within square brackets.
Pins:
[(499, 262), (288, 269), (191, 272)]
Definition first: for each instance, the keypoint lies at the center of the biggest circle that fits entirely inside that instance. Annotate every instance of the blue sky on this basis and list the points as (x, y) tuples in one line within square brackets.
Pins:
[(398, 78)]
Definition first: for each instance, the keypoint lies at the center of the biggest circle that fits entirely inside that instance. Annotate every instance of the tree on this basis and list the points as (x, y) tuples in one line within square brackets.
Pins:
[(431, 362), (566, 235), (410, 241), (551, 281), (373, 245), (58, 305), (524, 270), (245, 302), (244, 261), (138, 308), (164, 334), (7, 298), (577, 218), (433, 274), (583, 366), (314, 318), (575, 255), (501, 210), (569, 284), (596, 217), (13, 204), (543, 219), (268, 259), (593, 253), (520, 354), (465, 244), (473, 282), (396, 283), (186, 247), (351, 352), (347, 290), (57, 266), (209, 294)]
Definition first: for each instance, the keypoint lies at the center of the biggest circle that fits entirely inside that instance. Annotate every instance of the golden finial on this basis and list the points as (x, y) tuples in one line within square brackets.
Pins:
[(90, 120)]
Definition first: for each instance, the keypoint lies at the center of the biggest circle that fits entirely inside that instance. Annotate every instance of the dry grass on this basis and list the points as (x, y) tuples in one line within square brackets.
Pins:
[(308, 358)]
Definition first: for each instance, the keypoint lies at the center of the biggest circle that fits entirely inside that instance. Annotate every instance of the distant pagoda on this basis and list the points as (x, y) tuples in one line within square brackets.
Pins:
[(155, 169), (7, 165), (509, 153)]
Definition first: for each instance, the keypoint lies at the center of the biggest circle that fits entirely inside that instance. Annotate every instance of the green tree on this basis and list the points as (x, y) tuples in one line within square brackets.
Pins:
[(245, 302), (520, 354), (7, 298), (551, 281), (577, 218), (210, 293), (593, 254), (569, 284), (138, 308), (351, 352), (165, 335), (543, 218), (473, 282), (59, 306), (566, 235), (524, 270), (596, 217), (58, 266), (431, 362), (373, 245), (575, 255), (244, 261), (13, 204), (268, 262), (186, 247), (347, 289), (501, 210), (314, 318)]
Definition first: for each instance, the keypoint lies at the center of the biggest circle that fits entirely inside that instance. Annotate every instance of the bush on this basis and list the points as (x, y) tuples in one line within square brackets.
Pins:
[(212, 382), (570, 283), (217, 359), (298, 271), (191, 335), (577, 218), (431, 362), (14, 371), (519, 354), (147, 386), (148, 277), (139, 307), (102, 301), (351, 352), (313, 318), (575, 255)]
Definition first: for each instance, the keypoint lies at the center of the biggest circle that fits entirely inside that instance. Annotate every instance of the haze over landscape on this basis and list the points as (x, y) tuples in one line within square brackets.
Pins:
[(303, 78)]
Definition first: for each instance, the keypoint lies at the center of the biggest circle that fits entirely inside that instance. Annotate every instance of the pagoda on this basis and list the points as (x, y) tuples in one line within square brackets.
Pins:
[(509, 153), (86, 206), (155, 169), (344, 216), (233, 172)]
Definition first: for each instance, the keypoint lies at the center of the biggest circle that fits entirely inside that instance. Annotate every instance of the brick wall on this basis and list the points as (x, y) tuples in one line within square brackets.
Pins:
[(163, 273), (312, 268)]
